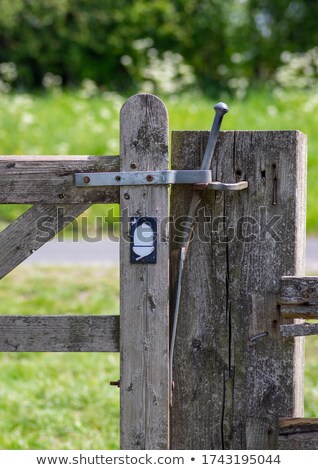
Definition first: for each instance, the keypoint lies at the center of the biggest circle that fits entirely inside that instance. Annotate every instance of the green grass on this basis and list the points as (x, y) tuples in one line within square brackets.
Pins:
[(67, 291), (68, 123), (59, 400)]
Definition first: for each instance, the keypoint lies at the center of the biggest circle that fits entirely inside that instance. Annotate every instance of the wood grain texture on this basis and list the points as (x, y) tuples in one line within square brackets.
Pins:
[(32, 230), (299, 297), (144, 291), (231, 385), (59, 333), (303, 329), (298, 434), (50, 179)]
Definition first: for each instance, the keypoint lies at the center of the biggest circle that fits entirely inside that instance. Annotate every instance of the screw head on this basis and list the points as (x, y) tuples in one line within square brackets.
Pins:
[(149, 178), (115, 383), (86, 179), (117, 178), (126, 196), (133, 165)]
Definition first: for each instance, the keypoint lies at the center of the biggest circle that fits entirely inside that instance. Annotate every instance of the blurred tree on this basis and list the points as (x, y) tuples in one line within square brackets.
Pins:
[(278, 26), (228, 43)]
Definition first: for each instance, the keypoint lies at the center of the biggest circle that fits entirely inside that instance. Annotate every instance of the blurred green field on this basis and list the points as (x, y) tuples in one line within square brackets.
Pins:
[(59, 400), (63, 400), (74, 123)]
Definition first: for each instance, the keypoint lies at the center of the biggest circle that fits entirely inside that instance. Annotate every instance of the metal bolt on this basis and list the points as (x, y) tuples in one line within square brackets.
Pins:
[(133, 165), (126, 196), (115, 383), (260, 335), (86, 179), (117, 178), (149, 178)]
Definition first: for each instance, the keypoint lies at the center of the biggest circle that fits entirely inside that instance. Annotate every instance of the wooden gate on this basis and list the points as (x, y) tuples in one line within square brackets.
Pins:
[(238, 364)]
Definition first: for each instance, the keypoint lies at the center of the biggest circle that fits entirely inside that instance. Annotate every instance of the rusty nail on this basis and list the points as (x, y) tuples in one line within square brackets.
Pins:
[(115, 383), (149, 178), (260, 335), (117, 178), (86, 179), (133, 165)]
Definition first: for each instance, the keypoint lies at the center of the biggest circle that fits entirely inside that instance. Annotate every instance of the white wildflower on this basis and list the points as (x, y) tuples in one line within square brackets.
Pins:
[(299, 70), (272, 110), (4, 87), (105, 113), (236, 58), (8, 71), (50, 80), (89, 88), (141, 44), (126, 60), (27, 119), (62, 148)]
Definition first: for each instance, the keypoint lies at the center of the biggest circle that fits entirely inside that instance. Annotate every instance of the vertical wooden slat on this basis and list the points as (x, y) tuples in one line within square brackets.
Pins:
[(231, 384), (144, 287)]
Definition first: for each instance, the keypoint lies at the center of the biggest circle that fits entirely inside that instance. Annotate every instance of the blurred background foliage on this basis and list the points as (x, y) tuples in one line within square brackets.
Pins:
[(127, 45)]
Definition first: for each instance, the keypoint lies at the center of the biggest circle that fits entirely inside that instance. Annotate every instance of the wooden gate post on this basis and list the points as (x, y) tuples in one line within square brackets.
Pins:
[(234, 374), (144, 288)]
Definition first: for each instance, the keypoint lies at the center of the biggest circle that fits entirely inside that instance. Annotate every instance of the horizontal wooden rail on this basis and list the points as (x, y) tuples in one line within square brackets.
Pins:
[(302, 329), (68, 333), (50, 179), (298, 434), (299, 297)]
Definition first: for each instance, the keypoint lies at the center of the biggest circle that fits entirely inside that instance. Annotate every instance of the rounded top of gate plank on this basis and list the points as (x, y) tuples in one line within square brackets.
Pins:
[(144, 100), (143, 133)]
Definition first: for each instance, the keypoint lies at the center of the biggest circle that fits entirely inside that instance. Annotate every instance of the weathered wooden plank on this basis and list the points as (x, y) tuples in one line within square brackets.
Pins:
[(302, 329), (299, 297), (59, 333), (299, 311), (50, 179), (144, 293), (234, 374), (33, 229), (298, 434)]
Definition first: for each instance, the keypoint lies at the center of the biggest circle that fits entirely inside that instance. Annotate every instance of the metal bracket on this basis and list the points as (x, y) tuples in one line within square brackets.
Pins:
[(136, 178), (218, 186), (201, 179)]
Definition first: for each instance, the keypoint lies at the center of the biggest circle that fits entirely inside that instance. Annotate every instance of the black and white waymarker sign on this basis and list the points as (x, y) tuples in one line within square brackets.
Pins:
[(143, 240)]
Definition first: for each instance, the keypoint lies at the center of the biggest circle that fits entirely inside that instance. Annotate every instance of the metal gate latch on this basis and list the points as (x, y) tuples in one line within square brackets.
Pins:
[(201, 179)]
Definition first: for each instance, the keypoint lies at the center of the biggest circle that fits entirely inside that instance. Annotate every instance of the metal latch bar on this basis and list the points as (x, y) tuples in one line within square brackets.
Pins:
[(135, 178), (201, 179), (218, 186)]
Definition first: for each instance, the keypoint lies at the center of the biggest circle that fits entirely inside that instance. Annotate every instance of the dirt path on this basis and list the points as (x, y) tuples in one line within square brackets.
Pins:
[(103, 252), (106, 252)]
